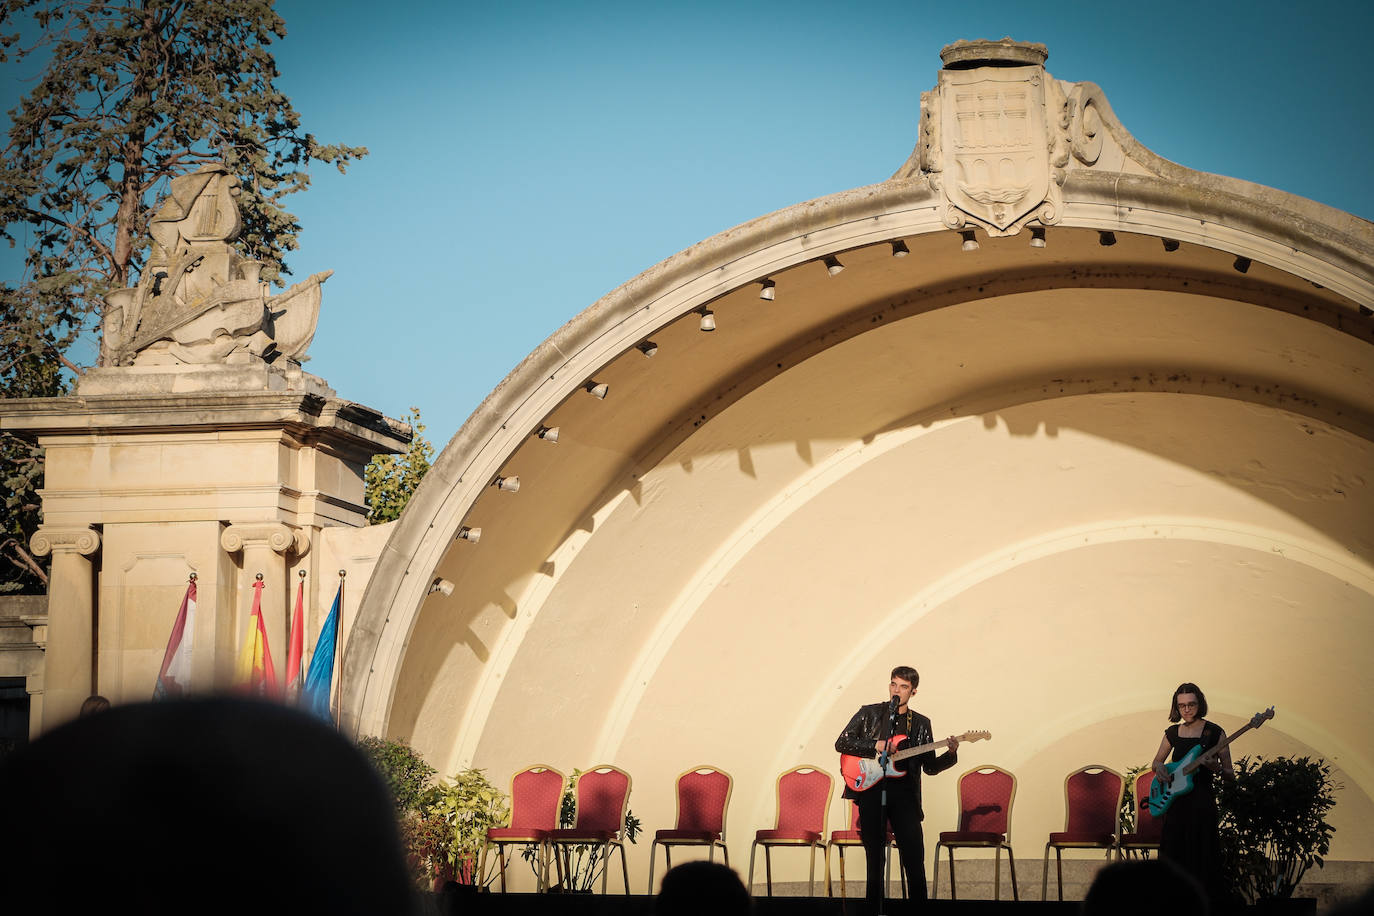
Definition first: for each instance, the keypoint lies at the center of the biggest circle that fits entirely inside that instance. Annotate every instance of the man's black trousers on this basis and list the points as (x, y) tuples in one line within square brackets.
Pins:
[(904, 816)]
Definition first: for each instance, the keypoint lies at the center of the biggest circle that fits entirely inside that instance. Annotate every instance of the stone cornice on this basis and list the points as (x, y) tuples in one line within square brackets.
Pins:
[(46, 540), (311, 418)]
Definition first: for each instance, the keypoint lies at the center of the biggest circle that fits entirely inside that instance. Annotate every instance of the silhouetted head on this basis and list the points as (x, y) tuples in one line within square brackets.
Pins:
[(702, 887), (1145, 888), (204, 806)]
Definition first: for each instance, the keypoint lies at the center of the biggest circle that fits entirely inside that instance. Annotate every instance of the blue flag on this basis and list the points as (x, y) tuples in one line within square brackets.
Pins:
[(320, 677)]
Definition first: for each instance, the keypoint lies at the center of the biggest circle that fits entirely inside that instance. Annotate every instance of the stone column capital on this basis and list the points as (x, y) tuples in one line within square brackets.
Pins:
[(82, 540), (274, 535)]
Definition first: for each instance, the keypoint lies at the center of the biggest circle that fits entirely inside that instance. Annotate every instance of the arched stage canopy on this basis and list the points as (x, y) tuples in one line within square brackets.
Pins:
[(1071, 425)]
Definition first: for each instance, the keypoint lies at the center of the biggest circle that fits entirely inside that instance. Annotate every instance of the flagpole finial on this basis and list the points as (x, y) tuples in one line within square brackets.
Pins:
[(301, 574), (343, 573), (193, 577), (259, 577)]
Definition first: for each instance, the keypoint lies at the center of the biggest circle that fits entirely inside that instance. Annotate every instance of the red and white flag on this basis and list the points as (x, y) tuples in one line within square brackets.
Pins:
[(174, 680)]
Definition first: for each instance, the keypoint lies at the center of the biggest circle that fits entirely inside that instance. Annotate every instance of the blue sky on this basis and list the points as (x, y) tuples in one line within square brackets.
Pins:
[(528, 157)]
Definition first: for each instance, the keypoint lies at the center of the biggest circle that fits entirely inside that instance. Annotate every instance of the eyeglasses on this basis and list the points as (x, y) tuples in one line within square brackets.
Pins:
[(1192, 705)]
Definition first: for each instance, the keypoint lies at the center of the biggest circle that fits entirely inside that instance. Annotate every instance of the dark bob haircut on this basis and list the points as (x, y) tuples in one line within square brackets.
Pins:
[(1174, 715)]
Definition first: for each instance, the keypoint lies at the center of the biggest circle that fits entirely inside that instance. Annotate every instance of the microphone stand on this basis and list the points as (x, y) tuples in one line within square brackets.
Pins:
[(883, 760)]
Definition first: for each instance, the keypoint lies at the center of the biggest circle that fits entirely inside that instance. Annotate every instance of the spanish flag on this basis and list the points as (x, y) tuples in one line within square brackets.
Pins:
[(255, 674)]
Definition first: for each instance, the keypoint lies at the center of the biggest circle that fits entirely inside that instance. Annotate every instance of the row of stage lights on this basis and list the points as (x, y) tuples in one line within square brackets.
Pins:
[(768, 292)]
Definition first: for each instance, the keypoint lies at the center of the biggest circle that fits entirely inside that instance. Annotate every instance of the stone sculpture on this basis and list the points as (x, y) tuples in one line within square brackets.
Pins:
[(198, 301), (997, 134)]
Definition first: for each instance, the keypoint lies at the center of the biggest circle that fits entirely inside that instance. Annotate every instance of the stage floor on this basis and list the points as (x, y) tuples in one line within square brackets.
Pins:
[(641, 905)]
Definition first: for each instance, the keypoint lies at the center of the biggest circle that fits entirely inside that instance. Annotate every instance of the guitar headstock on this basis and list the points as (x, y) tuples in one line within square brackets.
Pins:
[(1260, 718), (975, 736)]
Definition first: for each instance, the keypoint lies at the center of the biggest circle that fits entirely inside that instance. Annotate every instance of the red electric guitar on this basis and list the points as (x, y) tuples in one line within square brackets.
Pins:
[(862, 773)]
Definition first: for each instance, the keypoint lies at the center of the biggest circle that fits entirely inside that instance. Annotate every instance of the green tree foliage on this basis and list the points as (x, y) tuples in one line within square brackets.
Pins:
[(390, 480), (128, 94)]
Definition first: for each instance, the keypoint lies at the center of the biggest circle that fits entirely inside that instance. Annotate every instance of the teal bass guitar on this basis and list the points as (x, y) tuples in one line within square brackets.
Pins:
[(1180, 773)]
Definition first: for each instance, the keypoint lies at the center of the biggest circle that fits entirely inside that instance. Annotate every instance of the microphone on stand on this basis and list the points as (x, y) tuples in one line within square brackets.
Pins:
[(896, 701)]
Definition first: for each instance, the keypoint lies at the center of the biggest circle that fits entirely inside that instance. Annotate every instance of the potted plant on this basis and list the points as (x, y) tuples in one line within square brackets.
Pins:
[(1273, 824), (442, 826), (463, 808), (584, 865)]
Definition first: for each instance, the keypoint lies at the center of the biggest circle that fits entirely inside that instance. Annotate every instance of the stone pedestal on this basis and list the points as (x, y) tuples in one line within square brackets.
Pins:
[(152, 474)]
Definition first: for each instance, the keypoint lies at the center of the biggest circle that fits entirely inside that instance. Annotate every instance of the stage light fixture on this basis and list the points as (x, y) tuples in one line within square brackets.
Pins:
[(708, 318), (899, 249), (1037, 237), (647, 347), (596, 389), (548, 433), (833, 265), (970, 240), (1170, 244), (1106, 239), (509, 484), (441, 585), (768, 291), (471, 535), (1242, 264)]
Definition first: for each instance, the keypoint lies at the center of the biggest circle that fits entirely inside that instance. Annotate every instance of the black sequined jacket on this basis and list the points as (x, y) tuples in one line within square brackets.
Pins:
[(868, 725)]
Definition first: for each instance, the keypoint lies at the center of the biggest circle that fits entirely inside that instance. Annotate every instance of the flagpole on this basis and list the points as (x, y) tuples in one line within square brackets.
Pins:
[(338, 649)]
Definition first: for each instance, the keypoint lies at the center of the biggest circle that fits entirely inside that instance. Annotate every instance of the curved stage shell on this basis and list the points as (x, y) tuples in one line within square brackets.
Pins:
[(1057, 480)]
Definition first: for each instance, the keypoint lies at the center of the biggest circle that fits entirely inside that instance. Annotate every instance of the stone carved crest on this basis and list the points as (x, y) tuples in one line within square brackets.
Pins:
[(996, 158), (198, 300), (987, 137), (994, 125)]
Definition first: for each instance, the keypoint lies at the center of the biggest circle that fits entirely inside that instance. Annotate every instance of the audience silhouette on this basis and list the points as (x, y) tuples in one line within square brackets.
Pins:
[(200, 806)]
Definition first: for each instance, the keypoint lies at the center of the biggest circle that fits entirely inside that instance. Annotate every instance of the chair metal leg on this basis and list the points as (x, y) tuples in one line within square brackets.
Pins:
[(605, 866), (624, 868), (1011, 863), (1045, 873), (811, 877), (997, 873), (1059, 871), (652, 847), (753, 848), (829, 886), (768, 868)]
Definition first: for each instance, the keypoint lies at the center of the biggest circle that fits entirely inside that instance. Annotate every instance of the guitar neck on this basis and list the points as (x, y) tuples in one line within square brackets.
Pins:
[(906, 752), (1221, 745)]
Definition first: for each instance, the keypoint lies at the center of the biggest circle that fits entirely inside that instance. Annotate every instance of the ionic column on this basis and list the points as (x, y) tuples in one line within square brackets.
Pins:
[(69, 659), (264, 548)]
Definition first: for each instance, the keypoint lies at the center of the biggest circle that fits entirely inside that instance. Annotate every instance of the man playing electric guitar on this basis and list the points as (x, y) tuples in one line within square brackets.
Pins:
[(1189, 838), (863, 737)]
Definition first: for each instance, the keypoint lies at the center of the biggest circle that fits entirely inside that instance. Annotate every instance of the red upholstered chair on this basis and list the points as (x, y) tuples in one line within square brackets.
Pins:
[(703, 794), (602, 794), (1092, 805), (803, 799), (535, 793), (1147, 827), (843, 839), (985, 797)]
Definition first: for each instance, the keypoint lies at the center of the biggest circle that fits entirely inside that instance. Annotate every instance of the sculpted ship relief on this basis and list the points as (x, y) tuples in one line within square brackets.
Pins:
[(198, 300)]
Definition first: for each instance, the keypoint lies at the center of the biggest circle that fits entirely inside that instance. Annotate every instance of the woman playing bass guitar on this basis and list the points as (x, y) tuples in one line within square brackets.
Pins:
[(1189, 837)]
